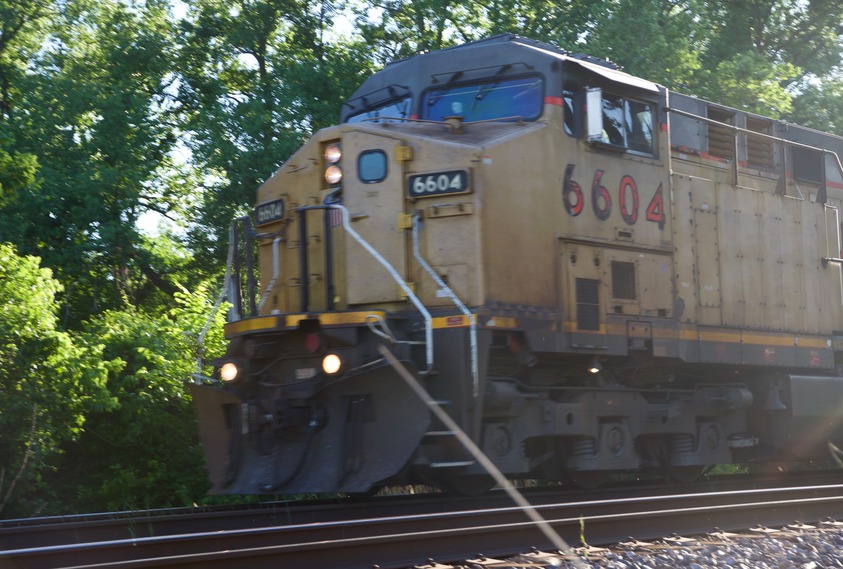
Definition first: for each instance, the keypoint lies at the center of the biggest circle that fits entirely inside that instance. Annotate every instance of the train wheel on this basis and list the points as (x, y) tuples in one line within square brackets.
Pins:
[(465, 484)]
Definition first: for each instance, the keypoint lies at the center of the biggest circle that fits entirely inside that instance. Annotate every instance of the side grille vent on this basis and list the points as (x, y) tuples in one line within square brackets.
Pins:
[(721, 140), (588, 305), (623, 280)]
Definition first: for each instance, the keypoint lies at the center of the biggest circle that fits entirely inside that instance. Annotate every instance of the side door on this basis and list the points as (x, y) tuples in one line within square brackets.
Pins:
[(584, 296), (374, 194)]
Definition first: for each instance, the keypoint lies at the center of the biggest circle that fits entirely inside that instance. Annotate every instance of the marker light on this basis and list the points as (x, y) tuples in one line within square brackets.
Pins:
[(333, 175), (228, 371), (333, 153), (331, 364), (312, 343)]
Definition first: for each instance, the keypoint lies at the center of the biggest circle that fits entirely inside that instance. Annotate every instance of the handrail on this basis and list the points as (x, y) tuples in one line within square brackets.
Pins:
[(748, 131), (821, 195), (226, 286), (428, 321), (475, 375), (234, 269), (276, 272)]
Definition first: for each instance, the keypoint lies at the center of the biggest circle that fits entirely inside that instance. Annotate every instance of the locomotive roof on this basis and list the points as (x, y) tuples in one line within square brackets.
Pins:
[(613, 73), (490, 56), (512, 54)]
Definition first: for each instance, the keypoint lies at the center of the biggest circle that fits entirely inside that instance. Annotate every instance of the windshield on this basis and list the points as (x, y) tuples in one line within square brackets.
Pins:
[(393, 111), (493, 99)]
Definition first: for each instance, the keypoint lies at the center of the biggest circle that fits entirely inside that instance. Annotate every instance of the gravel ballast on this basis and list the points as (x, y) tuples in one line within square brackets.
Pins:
[(798, 546)]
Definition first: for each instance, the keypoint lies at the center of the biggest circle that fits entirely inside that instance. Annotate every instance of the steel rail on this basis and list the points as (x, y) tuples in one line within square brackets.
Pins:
[(402, 541)]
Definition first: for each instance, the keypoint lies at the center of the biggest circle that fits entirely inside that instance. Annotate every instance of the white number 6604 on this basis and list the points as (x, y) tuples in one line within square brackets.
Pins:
[(443, 183)]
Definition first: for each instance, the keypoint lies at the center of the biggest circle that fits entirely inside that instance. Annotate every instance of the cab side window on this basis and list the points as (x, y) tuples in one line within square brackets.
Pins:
[(621, 123), (613, 120), (639, 126)]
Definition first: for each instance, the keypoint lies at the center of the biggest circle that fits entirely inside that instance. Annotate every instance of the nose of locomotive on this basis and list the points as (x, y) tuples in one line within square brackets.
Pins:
[(352, 434)]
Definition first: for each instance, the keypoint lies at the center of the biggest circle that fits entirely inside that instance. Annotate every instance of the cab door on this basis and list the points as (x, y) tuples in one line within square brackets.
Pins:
[(583, 295), (373, 192)]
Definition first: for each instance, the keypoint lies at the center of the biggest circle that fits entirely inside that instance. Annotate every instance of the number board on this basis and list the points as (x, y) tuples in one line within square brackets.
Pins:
[(438, 183), (269, 212)]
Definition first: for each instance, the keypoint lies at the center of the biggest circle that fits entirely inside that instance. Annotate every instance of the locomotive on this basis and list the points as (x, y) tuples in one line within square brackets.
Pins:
[(589, 273)]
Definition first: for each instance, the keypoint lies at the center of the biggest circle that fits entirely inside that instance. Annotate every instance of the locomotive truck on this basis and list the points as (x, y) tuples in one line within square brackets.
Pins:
[(589, 273)]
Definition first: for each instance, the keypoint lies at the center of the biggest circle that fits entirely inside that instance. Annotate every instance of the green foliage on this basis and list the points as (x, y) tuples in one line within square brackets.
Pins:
[(561, 23), (751, 54), (48, 381), (820, 105), (17, 171), (655, 39), (258, 78), (98, 117), (22, 32), (403, 27), (749, 81), (757, 54), (143, 451)]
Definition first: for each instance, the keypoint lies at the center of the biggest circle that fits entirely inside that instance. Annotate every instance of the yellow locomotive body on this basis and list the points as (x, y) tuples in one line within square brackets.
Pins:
[(589, 273)]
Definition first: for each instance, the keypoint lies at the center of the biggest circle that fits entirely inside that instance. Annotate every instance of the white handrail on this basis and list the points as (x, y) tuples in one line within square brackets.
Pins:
[(428, 326), (226, 287), (475, 374), (276, 272)]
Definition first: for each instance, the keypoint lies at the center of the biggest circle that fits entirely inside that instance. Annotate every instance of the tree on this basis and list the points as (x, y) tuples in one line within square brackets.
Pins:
[(258, 78), (21, 32), (399, 28), (656, 39), (17, 173), (751, 82), (820, 105), (759, 54), (99, 117), (49, 382), (805, 34), (143, 451)]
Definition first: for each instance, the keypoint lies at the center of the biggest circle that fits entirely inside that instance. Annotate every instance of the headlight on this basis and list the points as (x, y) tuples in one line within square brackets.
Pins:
[(228, 371), (333, 175), (333, 153), (331, 364)]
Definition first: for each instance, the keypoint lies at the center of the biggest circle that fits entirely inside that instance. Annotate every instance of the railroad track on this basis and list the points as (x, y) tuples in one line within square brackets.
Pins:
[(410, 539)]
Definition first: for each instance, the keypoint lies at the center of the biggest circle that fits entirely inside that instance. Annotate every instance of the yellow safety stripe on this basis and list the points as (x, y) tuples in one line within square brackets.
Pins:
[(716, 335), (333, 318), (502, 322), (685, 333), (754, 338), (456, 321), (265, 323), (251, 325)]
